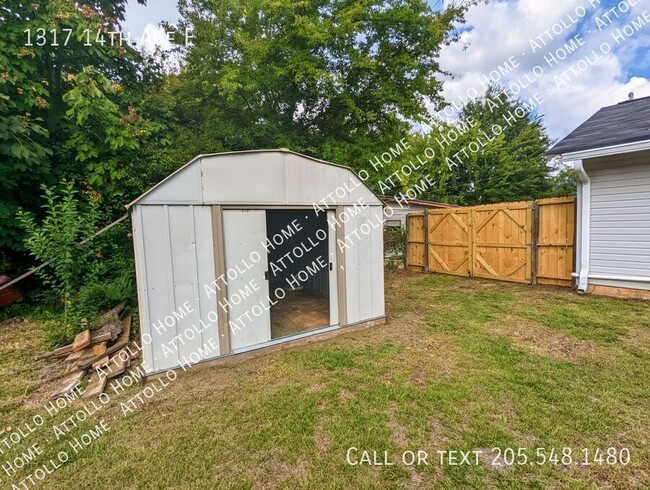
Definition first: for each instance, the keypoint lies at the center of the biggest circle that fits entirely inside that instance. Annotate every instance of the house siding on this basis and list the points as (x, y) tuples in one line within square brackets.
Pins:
[(620, 219)]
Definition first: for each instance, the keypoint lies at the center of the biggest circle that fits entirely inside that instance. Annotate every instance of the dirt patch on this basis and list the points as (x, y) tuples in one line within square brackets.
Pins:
[(426, 357), (398, 432), (322, 439), (543, 340)]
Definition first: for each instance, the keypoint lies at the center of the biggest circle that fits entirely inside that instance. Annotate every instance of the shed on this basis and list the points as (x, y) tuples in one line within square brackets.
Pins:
[(398, 207), (611, 156), (243, 250)]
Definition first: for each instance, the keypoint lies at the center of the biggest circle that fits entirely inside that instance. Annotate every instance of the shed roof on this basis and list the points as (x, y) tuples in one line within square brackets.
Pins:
[(625, 122), (274, 176)]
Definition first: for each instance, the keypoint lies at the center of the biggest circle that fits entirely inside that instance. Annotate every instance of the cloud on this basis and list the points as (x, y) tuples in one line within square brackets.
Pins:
[(153, 37), (592, 70)]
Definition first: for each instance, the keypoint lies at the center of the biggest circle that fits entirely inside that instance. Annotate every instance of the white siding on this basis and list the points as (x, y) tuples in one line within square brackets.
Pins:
[(175, 245), (620, 219), (250, 178), (398, 212)]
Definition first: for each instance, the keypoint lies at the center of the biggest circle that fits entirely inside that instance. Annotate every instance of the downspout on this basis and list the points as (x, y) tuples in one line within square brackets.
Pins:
[(585, 220)]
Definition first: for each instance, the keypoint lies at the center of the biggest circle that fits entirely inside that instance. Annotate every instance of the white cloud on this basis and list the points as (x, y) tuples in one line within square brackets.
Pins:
[(154, 36), (502, 29)]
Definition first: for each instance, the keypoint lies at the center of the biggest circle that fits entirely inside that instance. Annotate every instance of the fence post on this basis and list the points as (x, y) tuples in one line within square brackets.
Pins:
[(534, 240), (426, 240), (406, 243)]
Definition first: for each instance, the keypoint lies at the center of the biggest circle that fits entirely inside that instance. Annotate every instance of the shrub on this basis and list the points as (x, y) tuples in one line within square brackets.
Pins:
[(59, 240), (394, 241)]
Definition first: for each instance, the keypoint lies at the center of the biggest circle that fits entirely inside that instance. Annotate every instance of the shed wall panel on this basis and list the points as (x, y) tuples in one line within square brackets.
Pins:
[(175, 275), (184, 187), (620, 219), (311, 182), (377, 263), (364, 263), (246, 178)]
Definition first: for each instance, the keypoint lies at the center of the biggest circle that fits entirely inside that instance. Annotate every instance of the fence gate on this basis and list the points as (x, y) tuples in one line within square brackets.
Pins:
[(503, 241), (555, 239), (529, 241), (450, 241)]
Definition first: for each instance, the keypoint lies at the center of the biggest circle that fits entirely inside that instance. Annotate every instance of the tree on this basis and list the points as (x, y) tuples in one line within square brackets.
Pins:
[(68, 101), (332, 78), (493, 153)]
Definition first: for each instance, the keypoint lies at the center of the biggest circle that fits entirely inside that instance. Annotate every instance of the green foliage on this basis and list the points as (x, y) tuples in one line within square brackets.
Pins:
[(111, 276), (100, 134), (58, 238), (38, 141), (564, 183), (394, 241), (327, 78), (509, 165)]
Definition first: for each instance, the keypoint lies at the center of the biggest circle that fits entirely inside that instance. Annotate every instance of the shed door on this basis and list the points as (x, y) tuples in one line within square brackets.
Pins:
[(246, 266)]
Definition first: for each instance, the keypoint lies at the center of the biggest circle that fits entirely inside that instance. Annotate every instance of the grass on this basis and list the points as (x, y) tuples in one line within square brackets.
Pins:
[(462, 364)]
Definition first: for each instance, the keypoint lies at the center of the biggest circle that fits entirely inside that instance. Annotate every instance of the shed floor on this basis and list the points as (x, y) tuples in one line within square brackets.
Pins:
[(299, 312)]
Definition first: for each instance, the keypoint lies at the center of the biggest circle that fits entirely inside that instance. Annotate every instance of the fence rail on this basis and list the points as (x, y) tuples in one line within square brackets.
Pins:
[(527, 242)]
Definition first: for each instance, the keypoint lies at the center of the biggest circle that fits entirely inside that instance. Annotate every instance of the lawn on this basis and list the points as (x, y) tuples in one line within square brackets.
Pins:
[(461, 364)]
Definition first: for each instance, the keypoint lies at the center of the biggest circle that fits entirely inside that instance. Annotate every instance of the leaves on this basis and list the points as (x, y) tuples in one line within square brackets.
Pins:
[(58, 238)]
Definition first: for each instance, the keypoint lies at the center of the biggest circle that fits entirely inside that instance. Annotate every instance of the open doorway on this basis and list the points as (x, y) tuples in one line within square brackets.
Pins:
[(299, 271)]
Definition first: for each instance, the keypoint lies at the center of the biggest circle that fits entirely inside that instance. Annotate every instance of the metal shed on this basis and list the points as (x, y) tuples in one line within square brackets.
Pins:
[(611, 155), (243, 250)]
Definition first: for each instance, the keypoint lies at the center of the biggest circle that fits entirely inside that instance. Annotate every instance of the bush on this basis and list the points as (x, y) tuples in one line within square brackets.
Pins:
[(87, 278), (394, 241), (58, 239)]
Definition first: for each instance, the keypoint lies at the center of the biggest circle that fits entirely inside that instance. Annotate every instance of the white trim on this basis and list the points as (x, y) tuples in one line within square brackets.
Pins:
[(585, 219), (605, 277), (606, 151)]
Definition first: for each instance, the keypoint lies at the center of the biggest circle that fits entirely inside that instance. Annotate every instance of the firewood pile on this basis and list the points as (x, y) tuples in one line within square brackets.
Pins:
[(102, 353)]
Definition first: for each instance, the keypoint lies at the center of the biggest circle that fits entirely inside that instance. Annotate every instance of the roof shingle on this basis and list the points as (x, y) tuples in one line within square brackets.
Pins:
[(625, 122)]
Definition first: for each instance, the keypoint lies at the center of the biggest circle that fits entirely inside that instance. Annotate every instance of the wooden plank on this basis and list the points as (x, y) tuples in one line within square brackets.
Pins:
[(415, 242), (126, 328), (555, 241), (88, 363), (117, 364), (87, 353), (95, 386), (60, 352), (81, 341), (68, 384), (101, 363)]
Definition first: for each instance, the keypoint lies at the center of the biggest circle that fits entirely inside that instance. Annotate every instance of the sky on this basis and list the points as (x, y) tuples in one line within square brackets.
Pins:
[(576, 56)]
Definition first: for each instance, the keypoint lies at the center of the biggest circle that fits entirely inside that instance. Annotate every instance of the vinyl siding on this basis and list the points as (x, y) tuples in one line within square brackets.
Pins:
[(620, 218)]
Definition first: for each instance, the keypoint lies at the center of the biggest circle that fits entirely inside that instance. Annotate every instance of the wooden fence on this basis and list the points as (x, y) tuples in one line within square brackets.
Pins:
[(528, 242)]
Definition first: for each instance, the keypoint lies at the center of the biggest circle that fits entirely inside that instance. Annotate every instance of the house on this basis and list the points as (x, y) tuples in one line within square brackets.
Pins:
[(397, 209), (244, 250), (611, 156)]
